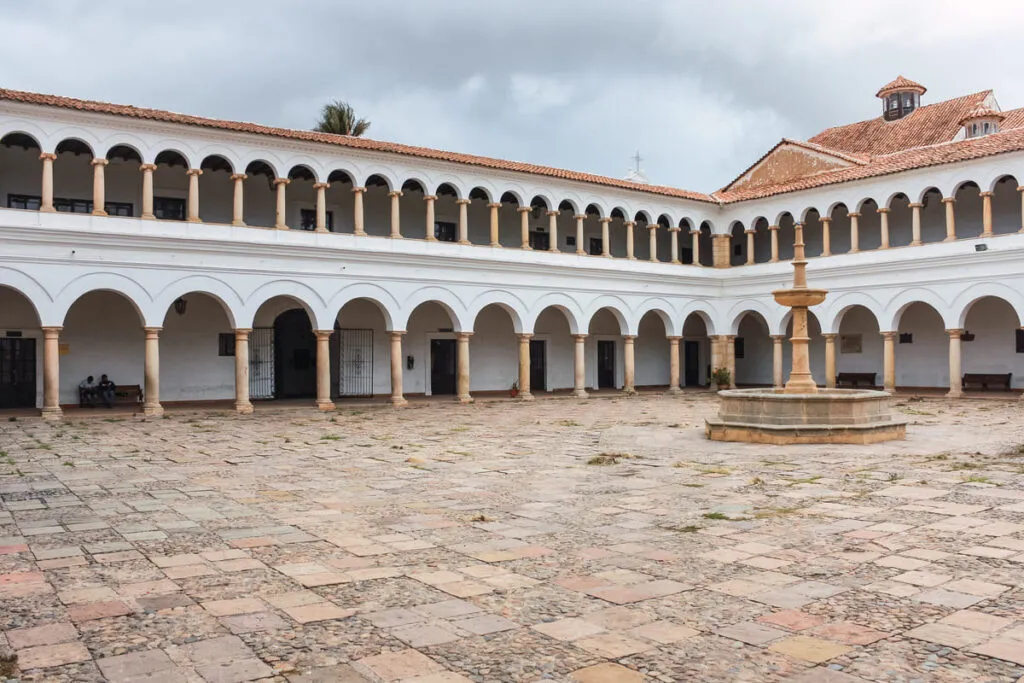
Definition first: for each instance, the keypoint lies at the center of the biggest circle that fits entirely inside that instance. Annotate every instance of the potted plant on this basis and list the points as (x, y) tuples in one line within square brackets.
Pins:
[(514, 390), (722, 378)]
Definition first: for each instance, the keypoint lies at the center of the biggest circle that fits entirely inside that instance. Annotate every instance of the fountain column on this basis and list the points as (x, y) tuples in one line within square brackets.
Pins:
[(799, 298)]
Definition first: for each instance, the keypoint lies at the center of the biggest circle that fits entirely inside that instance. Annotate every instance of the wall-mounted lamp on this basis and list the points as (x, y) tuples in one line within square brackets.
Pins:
[(180, 305)]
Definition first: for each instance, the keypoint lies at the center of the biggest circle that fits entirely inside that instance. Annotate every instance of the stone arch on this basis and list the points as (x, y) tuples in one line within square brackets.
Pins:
[(448, 189), (229, 299), (31, 132), (1000, 178), (379, 296), (831, 316), (117, 283), (341, 175), (701, 310), (481, 193), (806, 214), (307, 298), (568, 306), (380, 180), (174, 156), (594, 209), (133, 146), (263, 167), (642, 216), (512, 304), (926, 190), (443, 297), (512, 197), (302, 172), (966, 299), (570, 206), (617, 307), (748, 307), (26, 297), (899, 303), (664, 310)]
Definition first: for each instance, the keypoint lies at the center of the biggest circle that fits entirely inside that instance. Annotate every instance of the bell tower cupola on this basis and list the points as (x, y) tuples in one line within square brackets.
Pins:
[(900, 98)]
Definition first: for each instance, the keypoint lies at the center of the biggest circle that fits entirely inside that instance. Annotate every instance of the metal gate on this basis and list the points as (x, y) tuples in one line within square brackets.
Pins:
[(355, 376), (261, 363)]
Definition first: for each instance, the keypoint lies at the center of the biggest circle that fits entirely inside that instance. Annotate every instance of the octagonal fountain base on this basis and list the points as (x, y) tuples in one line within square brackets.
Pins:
[(839, 416)]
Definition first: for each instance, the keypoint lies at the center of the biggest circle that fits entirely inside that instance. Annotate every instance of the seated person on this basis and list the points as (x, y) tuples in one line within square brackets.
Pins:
[(106, 390), (87, 391)]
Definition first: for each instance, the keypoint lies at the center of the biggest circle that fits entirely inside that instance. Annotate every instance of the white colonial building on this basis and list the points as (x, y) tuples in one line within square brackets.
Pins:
[(213, 260)]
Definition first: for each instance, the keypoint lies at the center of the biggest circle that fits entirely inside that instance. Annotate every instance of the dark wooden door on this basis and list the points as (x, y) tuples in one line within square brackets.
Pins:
[(605, 364), (691, 363), (17, 372), (294, 355), (442, 366), (538, 365)]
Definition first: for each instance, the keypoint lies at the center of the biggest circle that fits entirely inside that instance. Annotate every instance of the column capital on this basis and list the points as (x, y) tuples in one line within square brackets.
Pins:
[(430, 197), (321, 186), (494, 205), (463, 202), (463, 335), (579, 337), (915, 205), (853, 214), (773, 227), (695, 231), (395, 193), (242, 332), (986, 193), (100, 161), (553, 213), (1020, 188), (525, 336), (750, 232), (674, 228), (825, 219), (148, 167), (281, 181), (948, 200), (653, 226), (395, 333), (358, 190), (629, 337), (830, 336), (778, 338), (47, 156), (604, 220), (239, 176), (883, 210), (524, 209), (51, 329), (956, 332), (629, 224), (322, 334), (674, 337), (583, 216), (194, 171), (152, 331), (889, 335)]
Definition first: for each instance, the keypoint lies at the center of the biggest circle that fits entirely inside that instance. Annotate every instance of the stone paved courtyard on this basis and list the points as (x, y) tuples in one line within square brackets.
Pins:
[(590, 541)]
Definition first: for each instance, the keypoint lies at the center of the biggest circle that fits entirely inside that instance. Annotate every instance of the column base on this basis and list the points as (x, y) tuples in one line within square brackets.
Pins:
[(495, 244), (325, 406), (526, 248), (464, 242), (465, 400), (152, 409), (674, 390), (361, 233), (280, 227), (322, 232), (891, 390), (606, 255), (194, 220), (48, 209), (853, 251), (916, 243), (52, 413), (988, 234), (580, 393), (950, 239), (395, 237), (99, 212), (628, 391), (525, 396), (244, 408), (957, 393), (148, 217), (399, 401), (676, 262)]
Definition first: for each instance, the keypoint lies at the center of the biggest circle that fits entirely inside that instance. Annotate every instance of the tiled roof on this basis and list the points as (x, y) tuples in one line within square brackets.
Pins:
[(904, 160), (982, 111), (1014, 119), (855, 159), (928, 125), (899, 84), (342, 141)]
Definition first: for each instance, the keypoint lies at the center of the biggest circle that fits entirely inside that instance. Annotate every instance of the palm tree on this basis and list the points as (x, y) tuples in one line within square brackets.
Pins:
[(339, 118)]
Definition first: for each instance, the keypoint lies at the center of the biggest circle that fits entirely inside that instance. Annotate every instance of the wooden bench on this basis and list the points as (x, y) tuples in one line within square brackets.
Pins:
[(856, 379), (129, 394), (986, 380)]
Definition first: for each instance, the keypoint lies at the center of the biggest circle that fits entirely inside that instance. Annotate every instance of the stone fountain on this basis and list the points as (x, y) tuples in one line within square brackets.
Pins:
[(801, 412)]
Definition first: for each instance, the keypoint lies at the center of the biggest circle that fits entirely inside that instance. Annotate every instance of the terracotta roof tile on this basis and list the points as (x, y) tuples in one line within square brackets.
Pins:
[(982, 111), (900, 83), (341, 141), (928, 125), (1014, 119)]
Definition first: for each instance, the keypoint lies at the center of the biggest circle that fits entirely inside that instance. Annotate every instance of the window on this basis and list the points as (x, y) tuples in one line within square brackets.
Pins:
[(908, 338), (119, 209), (595, 246), (1020, 341), (33, 202), (541, 241), (737, 250), (894, 102), (738, 347), (73, 205), (686, 254), (445, 232), (307, 219), (21, 201), (169, 208), (226, 344), (570, 240)]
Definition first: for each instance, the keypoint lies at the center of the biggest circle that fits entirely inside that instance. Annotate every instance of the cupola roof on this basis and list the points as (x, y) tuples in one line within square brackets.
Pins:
[(901, 84)]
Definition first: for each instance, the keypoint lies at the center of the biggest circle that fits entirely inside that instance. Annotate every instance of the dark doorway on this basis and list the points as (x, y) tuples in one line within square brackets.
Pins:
[(538, 365), (691, 362), (442, 367), (294, 355), (605, 364), (541, 241), (17, 372)]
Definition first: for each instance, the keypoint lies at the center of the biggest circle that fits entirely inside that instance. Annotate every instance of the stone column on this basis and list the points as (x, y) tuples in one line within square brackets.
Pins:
[(397, 397), (777, 379), (99, 187), (674, 235), (629, 225), (193, 194), (950, 218), (462, 367), (582, 250), (1020, 189), (605, 239), (323, 370), (652, 241), (986, 214), (147, 190), (800, 379), (495, 224), (915, 223), (721, 250), (553, 230), (729, 350), (280, 209), (463, 220), (46, 200), (51, 373), (151, 401), (429, 199), (524, 367), (854, 232), (242, 403), (396, 214), (889, 361), (357, 212), (524, 227), (955, 379), (773, 230), (884, 215), (673, 365), (695, 246), (715, 342), (826, 236), (750, 246), (238, 199), (321, 206), (629, 364), (580, 366), (830, 360)]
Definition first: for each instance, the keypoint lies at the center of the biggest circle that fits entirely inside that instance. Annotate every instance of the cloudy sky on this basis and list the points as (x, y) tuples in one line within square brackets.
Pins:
[(700, 88)]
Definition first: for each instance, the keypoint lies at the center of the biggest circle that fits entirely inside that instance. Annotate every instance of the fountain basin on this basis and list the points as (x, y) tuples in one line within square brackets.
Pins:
[(801, 297), (838, 416)]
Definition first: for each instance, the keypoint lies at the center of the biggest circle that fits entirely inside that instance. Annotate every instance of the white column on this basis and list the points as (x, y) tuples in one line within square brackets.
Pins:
[(605, 239), (321, 206), (193, 194), (431, 220), (357, 212), (242, 403), (674, 233), (826, 236), (777, 379), (238, 199), (553, 230), (629, 364), (581, 250), (524, 367), (495, 224), (986, 214), (462, 367), (652, 241), (579, 366), (854, 232), (955, 380), (915, 223), (463, 220), (147, 190), (883, 214), (396, 214), (950, 218), (99, 187), (524, 227), (397, 397), (51, 373), (151, 397), (629, 225), (695, 246), (323, 370), (46, 200)]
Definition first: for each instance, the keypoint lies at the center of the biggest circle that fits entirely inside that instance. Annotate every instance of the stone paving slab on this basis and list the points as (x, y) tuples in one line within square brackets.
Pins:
[(445, 544)]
